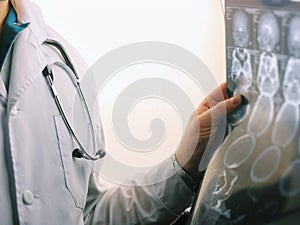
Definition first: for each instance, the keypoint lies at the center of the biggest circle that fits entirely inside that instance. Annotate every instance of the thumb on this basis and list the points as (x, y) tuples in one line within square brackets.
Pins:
[(233, 103)]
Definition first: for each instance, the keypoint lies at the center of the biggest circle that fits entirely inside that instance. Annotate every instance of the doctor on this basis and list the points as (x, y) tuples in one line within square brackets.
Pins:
[(40, 181)]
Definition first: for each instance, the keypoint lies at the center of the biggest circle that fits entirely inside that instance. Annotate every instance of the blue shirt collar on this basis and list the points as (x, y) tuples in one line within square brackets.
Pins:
[(11, 30)]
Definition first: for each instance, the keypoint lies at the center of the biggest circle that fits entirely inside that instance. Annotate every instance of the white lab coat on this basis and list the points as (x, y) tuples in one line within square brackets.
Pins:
[(40, 182)]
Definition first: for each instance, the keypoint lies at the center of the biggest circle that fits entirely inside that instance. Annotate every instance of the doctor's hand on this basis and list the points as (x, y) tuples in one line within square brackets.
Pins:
[(203, 130)]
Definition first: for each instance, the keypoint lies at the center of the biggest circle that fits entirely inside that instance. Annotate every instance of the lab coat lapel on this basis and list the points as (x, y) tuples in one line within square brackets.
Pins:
[(27, 63), (28, 58)]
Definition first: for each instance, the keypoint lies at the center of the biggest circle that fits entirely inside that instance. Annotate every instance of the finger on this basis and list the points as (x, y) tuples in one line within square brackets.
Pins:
[(221, 110), (220, 93), (217, 95)]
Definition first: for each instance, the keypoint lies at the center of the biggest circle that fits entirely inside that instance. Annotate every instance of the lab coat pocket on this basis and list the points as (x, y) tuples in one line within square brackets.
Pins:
[(76, 171)]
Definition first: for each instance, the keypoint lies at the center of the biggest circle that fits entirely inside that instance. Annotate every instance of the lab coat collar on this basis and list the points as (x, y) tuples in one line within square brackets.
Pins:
[(27, 11), (29, 58)]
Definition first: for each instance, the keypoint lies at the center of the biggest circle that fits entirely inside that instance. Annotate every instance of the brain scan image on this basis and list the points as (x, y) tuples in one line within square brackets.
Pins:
[(294, 37), (268, 80), (287, 120), (268, 32), (253, 178), (241, 68), (240, 29)]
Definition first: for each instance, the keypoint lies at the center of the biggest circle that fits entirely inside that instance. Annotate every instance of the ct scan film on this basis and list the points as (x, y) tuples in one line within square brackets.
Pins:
[(254, 177)]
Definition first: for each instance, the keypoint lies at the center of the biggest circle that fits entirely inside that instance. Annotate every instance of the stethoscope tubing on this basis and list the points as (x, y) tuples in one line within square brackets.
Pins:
[(70, 70)]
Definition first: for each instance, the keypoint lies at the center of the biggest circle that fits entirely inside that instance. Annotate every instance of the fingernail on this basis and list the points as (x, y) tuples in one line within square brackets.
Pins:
[(236, 100)]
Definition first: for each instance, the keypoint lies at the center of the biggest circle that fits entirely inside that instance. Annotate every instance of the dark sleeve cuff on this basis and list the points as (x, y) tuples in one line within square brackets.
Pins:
[(190, 182)]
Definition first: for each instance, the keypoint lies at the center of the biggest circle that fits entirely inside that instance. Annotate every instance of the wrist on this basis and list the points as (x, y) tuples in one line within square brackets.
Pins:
[(190, 181), (190, 163)]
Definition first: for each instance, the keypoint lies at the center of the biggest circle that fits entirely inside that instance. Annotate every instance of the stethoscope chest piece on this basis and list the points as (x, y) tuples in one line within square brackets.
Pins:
[(77, 153)]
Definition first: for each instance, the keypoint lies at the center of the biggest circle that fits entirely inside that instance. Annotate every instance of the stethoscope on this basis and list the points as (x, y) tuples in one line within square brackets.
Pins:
[(80, 151)]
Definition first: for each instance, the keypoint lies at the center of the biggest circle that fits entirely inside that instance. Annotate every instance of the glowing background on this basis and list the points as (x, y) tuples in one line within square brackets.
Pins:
[(95, 27)]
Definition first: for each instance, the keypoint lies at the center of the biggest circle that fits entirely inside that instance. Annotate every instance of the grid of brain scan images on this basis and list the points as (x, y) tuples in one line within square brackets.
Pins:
[(254, 178)]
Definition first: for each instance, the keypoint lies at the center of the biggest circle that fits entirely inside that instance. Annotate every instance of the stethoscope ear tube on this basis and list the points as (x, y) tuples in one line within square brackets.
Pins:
[(48, 74), (63, 53)]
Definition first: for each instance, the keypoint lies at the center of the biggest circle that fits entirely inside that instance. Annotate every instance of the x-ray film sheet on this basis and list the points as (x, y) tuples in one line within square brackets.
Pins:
[(254, 177)]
